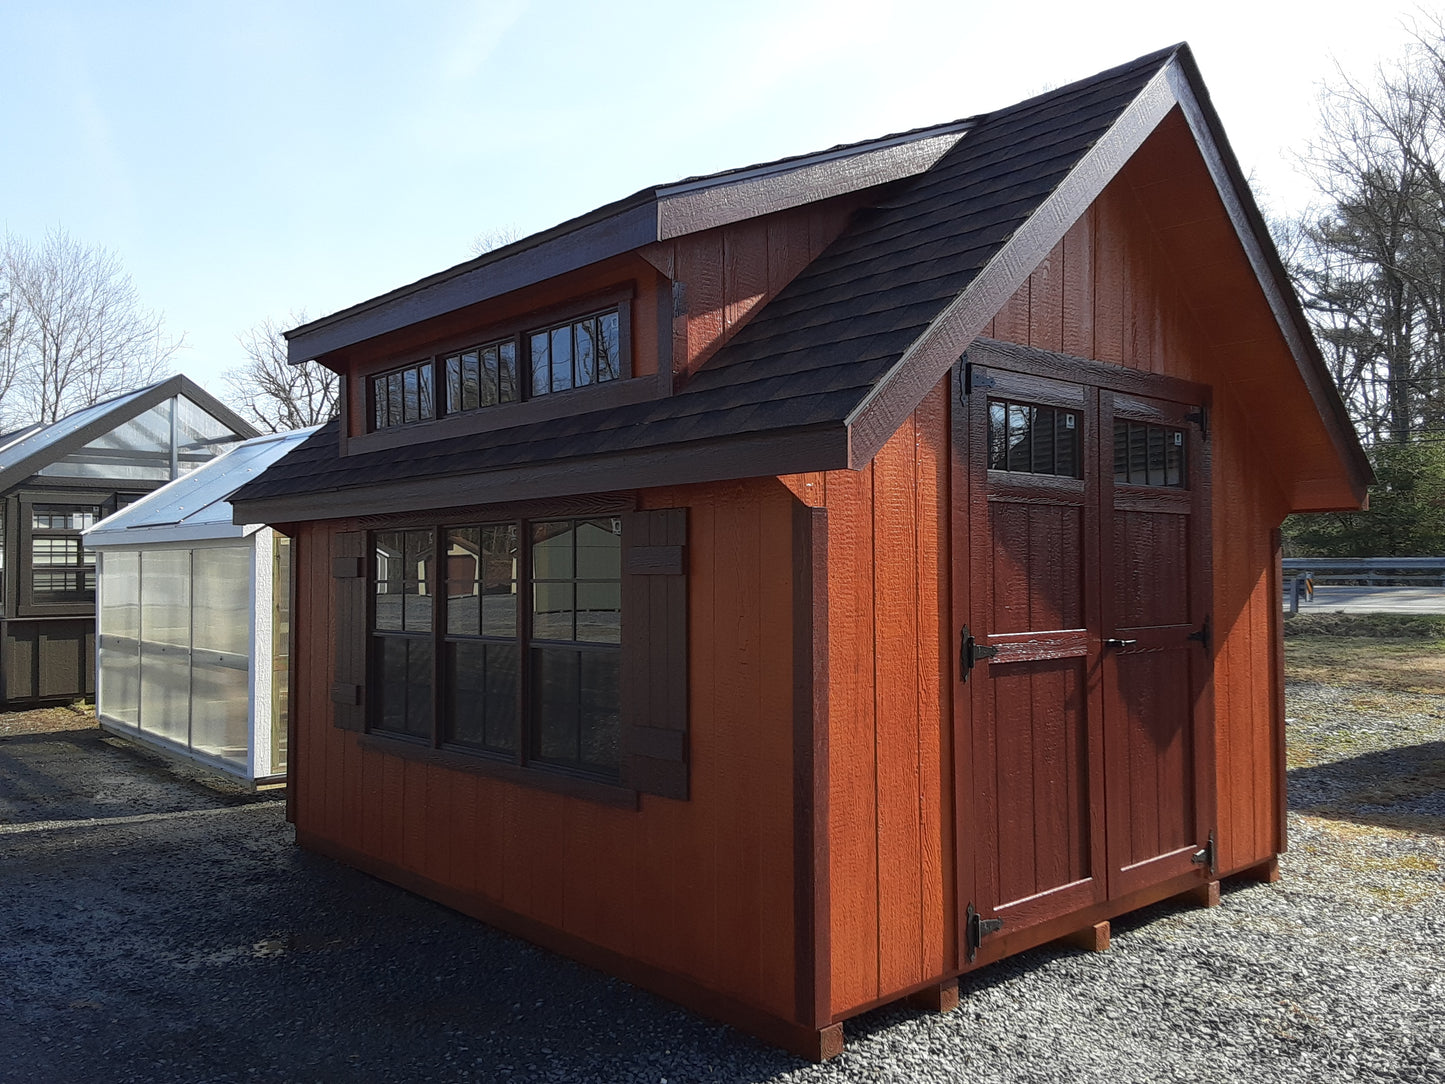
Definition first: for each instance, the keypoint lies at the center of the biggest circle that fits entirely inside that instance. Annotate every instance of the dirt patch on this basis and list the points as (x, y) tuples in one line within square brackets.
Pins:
[(77, 716)]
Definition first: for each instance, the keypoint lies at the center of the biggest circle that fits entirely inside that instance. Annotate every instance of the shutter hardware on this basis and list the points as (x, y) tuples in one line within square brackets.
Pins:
[(1200, 418), (973, 378), (976, 928), (970, 651)]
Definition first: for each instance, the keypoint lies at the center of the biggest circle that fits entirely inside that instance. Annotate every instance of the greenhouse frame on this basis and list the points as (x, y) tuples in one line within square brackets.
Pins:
[(193, 621), (57, 480)]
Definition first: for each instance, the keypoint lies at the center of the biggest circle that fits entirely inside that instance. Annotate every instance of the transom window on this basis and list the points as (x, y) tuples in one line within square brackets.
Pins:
[(575, 353), (1027, 438), (1150, 455), (403, 396), (520, 647)]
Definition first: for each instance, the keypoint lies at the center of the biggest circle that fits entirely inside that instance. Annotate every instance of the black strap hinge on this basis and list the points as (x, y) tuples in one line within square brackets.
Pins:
[(1202, 634), (1200, 418), (1205, 856), (976, 928), (970, 651), (974, 378)]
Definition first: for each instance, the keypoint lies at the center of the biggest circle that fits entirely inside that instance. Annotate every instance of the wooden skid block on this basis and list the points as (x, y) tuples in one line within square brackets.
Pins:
[(1205, 895), (1093, 938), (942, 997), (829, 1043), (1267, 872)]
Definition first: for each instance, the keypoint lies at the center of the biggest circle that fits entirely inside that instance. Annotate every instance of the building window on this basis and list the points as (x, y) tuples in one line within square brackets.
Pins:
[(402, 631), (575, 354), (482, 376), (62, 570), (1150, 455), (1030, 439), (403, 396), (526, 652)]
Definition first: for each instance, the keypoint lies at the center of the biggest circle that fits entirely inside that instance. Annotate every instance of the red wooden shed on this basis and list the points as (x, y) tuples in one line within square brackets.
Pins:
[(792, 588)]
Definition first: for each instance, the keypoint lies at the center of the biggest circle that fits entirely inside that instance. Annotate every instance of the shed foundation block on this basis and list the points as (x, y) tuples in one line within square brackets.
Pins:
[(1205, 895), (942, 997), (1093, 938)]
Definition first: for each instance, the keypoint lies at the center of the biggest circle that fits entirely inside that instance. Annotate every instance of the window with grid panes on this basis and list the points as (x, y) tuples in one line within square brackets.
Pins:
[(1150, 455), (1028, 438), (62, 570), (527, 650), (402, 396)]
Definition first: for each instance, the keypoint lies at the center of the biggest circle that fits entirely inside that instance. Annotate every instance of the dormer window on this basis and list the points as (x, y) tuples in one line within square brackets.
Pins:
[(529, 363), (402, 396), (575, 354)]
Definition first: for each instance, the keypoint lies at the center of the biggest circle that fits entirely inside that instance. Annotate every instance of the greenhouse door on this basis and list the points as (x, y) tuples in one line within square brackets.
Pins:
[(1083, 653)]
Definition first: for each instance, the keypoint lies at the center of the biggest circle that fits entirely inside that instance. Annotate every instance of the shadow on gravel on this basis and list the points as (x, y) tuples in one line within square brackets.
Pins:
[(85, 774), (1401, 788)]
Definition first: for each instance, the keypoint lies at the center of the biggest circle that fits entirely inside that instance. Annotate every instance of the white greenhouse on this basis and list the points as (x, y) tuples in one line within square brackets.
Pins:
[(193, 620)]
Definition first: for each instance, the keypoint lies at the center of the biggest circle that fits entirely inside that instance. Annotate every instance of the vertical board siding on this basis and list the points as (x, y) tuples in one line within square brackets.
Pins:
[(891, 865), (702, 888), (1112, 283)]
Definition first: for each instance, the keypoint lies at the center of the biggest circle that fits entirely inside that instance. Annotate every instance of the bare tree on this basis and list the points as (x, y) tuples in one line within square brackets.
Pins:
[(496, 237), (1370, 261), (79, 333), (275, 394)]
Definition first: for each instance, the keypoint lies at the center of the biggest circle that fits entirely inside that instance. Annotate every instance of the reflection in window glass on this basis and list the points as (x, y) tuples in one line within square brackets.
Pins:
[(1027, 438), (403, 396), (1150, 455)]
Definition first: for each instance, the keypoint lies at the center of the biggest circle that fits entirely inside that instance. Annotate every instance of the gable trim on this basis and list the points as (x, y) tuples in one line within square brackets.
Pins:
[(898, 393), (1250, 228)]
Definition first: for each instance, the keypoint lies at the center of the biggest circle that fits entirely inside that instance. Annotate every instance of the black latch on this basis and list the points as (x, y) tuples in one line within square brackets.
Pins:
[(1200, 418), (976, 929), (970, 651), (1201, 635), (1205, 856)]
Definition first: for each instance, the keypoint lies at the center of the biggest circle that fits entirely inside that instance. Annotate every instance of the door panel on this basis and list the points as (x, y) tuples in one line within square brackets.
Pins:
[(1037, 751), (1090, 728), (1154, 606)]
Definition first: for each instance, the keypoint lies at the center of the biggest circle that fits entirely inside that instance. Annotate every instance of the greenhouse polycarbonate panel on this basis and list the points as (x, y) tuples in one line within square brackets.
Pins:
[(166, 597), (199, 435), (139, 449), (221, 586), (119, 613), (119, 686), (220, 711), (165, 694)]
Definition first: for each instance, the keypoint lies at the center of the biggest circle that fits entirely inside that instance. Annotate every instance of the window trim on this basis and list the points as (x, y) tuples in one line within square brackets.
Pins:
[(24, 531), (527, 408), (519, 766)]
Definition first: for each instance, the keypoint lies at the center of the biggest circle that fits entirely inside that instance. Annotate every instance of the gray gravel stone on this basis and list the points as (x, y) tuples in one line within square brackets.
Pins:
[(152, 929)]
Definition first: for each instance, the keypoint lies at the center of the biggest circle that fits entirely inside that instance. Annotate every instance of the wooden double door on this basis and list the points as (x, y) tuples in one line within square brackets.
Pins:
[(1082, 602)]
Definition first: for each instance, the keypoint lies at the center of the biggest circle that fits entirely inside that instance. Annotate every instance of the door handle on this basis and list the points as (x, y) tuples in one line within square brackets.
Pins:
[(1116, 642)]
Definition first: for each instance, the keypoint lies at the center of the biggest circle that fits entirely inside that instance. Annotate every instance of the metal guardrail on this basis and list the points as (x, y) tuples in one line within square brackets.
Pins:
[(1303, 574)]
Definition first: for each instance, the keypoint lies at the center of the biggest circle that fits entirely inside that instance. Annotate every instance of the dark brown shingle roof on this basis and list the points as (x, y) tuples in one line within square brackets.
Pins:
[(812, 359)]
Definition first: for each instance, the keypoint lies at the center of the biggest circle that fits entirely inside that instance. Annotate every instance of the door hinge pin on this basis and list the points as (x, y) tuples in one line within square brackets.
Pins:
[(976, 928)]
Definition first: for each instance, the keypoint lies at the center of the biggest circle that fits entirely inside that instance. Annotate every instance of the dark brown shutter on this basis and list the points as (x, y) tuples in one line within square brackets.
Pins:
[(654, 652), (348, 578)]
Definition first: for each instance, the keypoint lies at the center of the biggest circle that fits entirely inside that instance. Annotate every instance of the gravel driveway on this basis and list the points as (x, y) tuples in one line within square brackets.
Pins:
[(153, 929)]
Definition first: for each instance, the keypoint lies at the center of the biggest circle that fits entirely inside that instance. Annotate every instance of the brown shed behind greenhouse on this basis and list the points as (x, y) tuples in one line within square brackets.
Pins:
[(945, 473)]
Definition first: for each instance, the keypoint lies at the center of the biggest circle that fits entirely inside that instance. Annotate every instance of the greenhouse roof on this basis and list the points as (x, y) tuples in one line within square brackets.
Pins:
[(195, 507), (97, 441)]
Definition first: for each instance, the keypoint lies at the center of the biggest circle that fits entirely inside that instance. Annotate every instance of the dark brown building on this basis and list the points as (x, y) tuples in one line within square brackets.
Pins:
[(792, 588), (56, 481)]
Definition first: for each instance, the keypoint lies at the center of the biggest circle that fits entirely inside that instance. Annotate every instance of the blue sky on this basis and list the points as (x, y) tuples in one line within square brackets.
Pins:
[(255, 160)]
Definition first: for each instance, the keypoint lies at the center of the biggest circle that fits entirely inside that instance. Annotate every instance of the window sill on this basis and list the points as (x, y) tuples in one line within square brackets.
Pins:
[(536, 777)]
